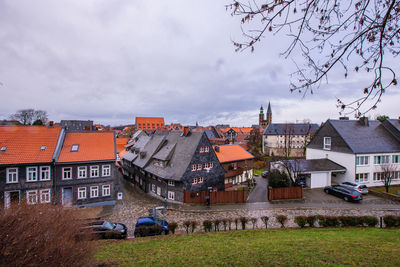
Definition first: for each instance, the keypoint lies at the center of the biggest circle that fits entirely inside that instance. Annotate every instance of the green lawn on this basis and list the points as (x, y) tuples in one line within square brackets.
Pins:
[(392, 189), (258, 172), (286, 247)]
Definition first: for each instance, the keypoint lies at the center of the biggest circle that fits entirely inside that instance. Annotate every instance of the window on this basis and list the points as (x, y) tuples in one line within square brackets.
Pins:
[(171, 183), (94, 171), (234, 165), (362, 177), (200, 180), (94, 191), (158, 190), (31, 197), (45, 173), (67, 173), (199, 167), (12, 175), (153, 188), (381, 159), (395, 159), (43, 148), (327, 143), (206, 149), (82, 172), (31, 174), (378, 176), (74, 148), (193, 167), (211, 165), (81, 192), (45, 196), (194, 180), (202, 149), (106, 170), (3, 148), (362, 160), (106, 190), (171, 195)]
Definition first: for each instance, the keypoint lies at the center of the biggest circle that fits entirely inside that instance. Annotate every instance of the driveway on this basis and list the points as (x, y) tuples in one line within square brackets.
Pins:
[(259, 193)]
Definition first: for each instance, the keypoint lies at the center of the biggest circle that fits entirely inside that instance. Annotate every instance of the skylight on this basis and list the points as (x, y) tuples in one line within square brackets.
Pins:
[(43, 148), (3, 148), (74, 148)]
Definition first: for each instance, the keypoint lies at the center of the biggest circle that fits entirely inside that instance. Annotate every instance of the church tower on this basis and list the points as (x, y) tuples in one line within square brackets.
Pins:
[(261, 117), (269, 114)]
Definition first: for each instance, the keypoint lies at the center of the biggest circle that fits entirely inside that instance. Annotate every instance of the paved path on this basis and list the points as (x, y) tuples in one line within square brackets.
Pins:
[(259, 193)]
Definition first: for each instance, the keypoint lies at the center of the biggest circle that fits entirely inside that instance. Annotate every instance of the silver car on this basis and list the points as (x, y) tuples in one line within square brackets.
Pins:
[(362, 188)]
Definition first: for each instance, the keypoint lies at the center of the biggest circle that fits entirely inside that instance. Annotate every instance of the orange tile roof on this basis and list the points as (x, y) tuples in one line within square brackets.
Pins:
[(149, 123), (121, 142), (92, 146), (24, 144), (229, 153)]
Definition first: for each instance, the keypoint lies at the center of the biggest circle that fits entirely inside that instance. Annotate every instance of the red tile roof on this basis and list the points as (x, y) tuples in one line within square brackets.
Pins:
[(121, 142), (149, 123), (93, 146), (24, 144), (229, 153)]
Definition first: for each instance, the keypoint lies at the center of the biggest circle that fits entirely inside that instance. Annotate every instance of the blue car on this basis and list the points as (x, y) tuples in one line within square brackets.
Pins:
[(147, 226)]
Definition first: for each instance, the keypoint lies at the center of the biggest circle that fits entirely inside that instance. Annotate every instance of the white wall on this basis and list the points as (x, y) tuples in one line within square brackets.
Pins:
[(320, 179)]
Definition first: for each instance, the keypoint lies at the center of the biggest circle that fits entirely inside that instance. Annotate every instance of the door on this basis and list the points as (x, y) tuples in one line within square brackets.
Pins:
[(11, 198), (67, 196)]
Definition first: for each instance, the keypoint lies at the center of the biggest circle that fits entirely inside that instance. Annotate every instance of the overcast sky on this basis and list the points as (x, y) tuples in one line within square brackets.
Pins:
[(112, 60)]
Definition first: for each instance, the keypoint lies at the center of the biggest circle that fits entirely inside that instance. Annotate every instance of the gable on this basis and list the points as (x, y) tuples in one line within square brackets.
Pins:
[(338, 144)]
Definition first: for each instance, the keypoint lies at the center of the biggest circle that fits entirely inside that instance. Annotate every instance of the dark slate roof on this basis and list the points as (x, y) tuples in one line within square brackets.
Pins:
[(165, 152), (182, 149), (210, 134), (292, 128), (316, 165), (140, 143), (146, 153), (129, 156), (373, 138), (76, 125)]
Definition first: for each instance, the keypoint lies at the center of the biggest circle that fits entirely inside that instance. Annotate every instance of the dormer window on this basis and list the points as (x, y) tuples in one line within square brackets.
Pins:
[(43, 148), (74, 148), (3, 148), (327, 143)]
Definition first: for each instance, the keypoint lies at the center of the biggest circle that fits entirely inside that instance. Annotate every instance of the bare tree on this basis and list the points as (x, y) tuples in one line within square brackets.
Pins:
[(24, 116), (388, 172), (293, 169), (288, 135), (356, 35), (40, 115)]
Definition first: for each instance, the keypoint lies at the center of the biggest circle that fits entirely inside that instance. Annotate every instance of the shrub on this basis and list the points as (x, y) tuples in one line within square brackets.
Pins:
[(243, 221), (348, 220), (391, 221), (207, 225), (224, 223), (301, 221), (172, 226), (187, 224), (193, 224), (370, 221), (311, 220), (229, 221), (278, 179), (265, 219), (236, 221), (216, 225), (254, 222), (259, 164), (282, 220), (329, 221), (43, 235)]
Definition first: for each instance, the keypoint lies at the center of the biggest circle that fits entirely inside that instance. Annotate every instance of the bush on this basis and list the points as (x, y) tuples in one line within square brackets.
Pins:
[(43, 235), (225, 223), (282, 220), (254, 222), (243, 221), (236, 221), (207, 225), (187, 224), (172, 226), (329, 221), (311, 220), (391, 221), (370, 221), (265, 219), (193, 224), (229, 221), (301, 221), (348, 220), (216, 225), (278, 179), (259, 164)]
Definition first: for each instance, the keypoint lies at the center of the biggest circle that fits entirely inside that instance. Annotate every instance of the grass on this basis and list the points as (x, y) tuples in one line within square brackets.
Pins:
[(392, 189), (284, 247), (258, 172)]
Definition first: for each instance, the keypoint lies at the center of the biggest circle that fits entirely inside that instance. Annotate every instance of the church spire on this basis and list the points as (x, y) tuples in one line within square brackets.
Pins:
[(269, 108)]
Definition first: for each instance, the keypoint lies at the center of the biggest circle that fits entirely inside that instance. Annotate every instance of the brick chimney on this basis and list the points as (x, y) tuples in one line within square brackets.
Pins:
[(185, 131), (364, 121), (51, 123)]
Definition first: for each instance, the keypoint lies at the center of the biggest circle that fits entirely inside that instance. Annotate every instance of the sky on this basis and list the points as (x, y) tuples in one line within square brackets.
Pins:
[(113, 60)]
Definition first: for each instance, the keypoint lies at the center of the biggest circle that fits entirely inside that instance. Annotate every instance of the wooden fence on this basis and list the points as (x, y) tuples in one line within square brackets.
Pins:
[(285, 193), (219, 197)]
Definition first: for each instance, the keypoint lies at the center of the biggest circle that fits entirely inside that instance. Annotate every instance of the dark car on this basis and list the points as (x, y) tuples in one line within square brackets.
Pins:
[(264, 174), (106, 229), (147, 226), (348, 194)]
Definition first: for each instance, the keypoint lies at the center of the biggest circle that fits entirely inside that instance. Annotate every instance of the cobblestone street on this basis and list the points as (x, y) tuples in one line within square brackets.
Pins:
[(136, 204)]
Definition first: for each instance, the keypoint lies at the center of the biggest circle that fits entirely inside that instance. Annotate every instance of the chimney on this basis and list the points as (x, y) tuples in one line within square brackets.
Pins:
[(51, 123), (185, 131), (364, 121), (87, 128), (216, 148)]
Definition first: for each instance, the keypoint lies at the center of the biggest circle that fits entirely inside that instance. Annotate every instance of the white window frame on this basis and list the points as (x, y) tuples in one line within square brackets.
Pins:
[(171, 195), (362, 177), (84, 169), (171, 183), (28, 199), (28, 172), (81, 192), (48, 173), (64, 171), (93, 168), (383, 159), (153, 188), (11, 173), (200, 180), (194, 167), (206, 149), (45, 195), (327, 143), (201, 149), (104, 168), (158, 190), (397, 157), (106, 190), (362, 160), (94, 191), (194, 180), (199, 167)]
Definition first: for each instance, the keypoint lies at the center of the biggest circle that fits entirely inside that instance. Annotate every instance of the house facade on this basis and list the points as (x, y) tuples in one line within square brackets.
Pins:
[(168, 165), (237, 163), (365, 148), (27, 157), (287, 139), (149, 123), (85, 169)]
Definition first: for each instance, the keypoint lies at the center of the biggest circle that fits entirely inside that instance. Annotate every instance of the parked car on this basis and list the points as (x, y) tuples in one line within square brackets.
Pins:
[(264, 174), (147, 226), (302, 182), (362, 188), (106, 229), (348, 194)]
